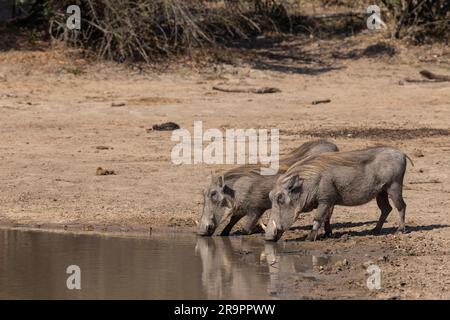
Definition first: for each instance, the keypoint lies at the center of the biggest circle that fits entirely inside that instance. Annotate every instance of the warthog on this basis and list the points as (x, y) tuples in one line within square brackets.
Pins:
[(245, 192), (343, 178)]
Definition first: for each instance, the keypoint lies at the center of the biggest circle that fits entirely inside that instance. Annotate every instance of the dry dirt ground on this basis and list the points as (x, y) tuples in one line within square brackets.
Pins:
[(58, 125)]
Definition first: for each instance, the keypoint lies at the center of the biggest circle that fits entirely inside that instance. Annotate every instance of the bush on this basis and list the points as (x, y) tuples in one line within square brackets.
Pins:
[(420, 18), (140, 30)]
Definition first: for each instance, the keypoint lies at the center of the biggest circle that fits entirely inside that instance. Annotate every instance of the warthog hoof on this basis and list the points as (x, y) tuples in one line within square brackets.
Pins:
[(401, 230), (256, 229), (328, 234), (312, 236), (375, 231)]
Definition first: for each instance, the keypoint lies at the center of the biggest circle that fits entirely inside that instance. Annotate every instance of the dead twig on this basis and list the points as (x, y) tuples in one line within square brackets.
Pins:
[(435, 77), (409, 80), (429, 76), (321, 101), (262, 90), (426, 182)]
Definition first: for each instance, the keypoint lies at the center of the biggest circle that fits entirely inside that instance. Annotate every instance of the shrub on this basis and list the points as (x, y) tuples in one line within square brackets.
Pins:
[(420, 18), (141, 29)]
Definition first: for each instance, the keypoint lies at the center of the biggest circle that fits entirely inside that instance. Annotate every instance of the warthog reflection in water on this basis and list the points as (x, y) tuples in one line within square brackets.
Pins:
[(229, 269), (243, 269), (285, 267)]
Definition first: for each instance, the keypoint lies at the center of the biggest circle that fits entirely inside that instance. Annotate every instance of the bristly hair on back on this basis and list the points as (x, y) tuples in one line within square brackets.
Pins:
[(312, 166), (249, 170), (302, 152)]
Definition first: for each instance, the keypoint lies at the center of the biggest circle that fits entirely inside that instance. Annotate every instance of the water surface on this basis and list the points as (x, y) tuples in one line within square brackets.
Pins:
[(162, 266)]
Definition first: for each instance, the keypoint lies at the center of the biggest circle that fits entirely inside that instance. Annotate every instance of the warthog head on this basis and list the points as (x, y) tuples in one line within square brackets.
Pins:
[(217, 198), (285, 198)]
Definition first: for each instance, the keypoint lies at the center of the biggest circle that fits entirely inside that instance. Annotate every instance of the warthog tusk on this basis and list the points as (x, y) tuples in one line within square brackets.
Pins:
[(263, 226), (274, 224), (196, 222)]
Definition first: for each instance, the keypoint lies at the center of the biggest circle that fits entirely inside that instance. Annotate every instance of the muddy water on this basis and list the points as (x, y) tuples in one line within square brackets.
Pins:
[(163, 266)]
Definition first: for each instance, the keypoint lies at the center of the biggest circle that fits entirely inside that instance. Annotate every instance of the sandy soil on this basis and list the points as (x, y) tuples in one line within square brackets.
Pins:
[(56, 120)]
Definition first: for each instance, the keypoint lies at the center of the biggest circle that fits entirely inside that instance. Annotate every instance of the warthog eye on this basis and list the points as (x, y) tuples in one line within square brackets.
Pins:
[(280, 198), (213, 195)]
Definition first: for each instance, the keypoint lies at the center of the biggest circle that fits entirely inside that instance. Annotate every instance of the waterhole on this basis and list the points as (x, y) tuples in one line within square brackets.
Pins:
[(33, 265)]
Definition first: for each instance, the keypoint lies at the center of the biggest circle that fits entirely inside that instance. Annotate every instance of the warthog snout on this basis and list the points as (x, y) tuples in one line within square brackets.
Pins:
[(206, 229), (273, 233)]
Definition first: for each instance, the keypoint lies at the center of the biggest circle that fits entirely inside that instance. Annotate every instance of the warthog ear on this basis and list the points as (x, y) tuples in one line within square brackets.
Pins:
[(221, 181), (214, 178), (294, 184)]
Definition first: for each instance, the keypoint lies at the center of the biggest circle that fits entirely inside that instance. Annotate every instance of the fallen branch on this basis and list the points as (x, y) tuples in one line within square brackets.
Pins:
[(409, 80), (321, 101), (426, 182), (254, 90), (429, 76), (433, 76)]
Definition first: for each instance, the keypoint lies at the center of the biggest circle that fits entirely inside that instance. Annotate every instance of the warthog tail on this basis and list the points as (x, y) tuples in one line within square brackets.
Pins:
[(410, 160)]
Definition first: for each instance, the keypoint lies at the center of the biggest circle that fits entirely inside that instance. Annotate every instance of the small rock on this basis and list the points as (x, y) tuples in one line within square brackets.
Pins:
[(2, 78), (418, 153), (118, 104), (167, 126), (9, 95), (345, 236), (103, 172), (102, 148)]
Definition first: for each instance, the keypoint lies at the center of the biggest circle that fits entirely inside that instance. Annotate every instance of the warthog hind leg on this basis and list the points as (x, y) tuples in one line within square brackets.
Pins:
[(385, 207), (395, 193)]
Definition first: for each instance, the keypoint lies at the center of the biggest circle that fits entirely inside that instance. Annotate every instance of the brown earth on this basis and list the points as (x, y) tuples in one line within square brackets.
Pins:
[(58, 126)]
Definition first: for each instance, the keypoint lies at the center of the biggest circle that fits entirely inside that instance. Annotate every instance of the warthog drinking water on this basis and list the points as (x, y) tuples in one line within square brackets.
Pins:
[(343, 178), (246, 192)]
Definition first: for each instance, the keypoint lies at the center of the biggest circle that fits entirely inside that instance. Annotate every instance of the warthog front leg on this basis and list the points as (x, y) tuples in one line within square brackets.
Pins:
[(234, 219), (327, 226), (322, 214)]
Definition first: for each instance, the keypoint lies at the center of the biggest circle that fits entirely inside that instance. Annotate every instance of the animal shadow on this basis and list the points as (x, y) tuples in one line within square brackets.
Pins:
[(364, 233)]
